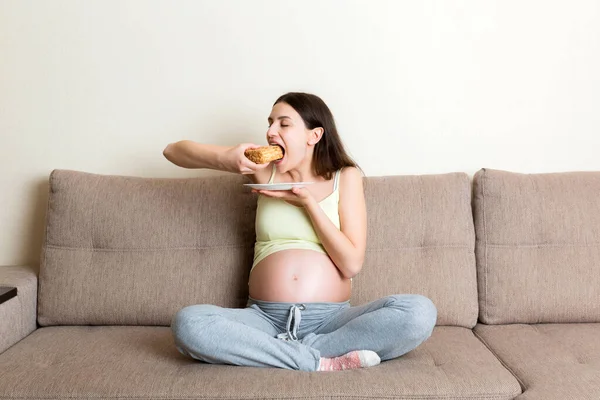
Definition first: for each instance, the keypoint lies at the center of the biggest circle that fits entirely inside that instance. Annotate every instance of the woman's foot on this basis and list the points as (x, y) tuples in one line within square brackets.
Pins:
[(351, 360)]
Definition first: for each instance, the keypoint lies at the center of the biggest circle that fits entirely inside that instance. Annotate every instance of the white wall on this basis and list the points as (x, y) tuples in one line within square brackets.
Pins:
[(417, 87)]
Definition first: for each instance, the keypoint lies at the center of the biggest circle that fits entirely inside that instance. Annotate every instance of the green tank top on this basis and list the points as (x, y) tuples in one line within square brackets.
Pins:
[(280, 225)]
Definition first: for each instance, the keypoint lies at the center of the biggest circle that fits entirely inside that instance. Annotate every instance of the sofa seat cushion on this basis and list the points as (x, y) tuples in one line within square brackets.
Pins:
[(79, 362), (551, 361)]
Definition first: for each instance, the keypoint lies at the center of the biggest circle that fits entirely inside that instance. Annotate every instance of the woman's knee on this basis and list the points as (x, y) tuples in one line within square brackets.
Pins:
[(189, 317), (420, 311)]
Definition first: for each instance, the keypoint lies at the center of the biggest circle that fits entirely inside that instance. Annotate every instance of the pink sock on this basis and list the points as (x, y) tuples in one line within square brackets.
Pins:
[(351, 360)]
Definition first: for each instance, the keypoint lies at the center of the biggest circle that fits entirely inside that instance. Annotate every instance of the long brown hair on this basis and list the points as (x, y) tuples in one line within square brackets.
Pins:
[(329, 154)]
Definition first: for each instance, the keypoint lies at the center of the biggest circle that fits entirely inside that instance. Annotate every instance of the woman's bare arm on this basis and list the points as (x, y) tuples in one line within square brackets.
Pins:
[(189, 154)]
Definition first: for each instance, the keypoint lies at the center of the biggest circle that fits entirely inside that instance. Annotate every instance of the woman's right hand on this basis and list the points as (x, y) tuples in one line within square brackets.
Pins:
[(237, 162)]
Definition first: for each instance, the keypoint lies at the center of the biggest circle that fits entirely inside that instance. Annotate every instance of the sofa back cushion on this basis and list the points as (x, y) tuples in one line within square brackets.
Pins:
[(538, 246), (132, 251), (421, 239)]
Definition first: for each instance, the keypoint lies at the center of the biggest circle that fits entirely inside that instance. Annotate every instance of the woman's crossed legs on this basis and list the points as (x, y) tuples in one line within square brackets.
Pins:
[(390, 326)]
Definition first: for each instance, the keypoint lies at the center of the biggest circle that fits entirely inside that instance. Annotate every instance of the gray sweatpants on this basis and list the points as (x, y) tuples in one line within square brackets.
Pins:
[(296, 335)]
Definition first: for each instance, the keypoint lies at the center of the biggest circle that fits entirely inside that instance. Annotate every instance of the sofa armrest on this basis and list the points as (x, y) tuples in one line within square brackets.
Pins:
[(18, 314)]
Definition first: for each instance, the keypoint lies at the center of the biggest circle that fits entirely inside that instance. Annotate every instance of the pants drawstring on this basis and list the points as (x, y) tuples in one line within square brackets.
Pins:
[(293, 323)]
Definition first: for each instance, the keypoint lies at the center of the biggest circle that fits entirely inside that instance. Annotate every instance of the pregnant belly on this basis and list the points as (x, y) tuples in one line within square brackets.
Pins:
[(298, 275)]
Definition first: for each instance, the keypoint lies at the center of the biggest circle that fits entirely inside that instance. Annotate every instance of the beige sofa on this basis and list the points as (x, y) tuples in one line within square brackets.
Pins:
[(511, 260)]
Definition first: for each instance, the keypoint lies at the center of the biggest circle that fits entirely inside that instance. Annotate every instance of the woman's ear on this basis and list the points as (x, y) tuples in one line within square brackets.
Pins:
[(315, 135)]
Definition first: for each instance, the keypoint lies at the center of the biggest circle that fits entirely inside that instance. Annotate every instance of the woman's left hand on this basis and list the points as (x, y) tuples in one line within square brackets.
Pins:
[(297, 195)]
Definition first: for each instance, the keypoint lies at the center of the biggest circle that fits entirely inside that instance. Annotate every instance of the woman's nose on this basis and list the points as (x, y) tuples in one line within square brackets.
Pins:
[(271, 133)]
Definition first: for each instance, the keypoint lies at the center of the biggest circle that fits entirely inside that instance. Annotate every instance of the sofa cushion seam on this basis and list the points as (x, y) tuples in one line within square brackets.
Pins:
[(485, 260), (341, 396), (144, 248), (509, 369)]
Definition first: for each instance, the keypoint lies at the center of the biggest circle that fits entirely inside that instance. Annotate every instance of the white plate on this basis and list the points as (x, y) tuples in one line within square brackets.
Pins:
[(277, 186)]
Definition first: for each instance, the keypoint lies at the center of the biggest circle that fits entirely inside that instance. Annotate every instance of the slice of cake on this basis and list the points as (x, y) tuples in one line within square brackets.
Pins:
[(264, 154)]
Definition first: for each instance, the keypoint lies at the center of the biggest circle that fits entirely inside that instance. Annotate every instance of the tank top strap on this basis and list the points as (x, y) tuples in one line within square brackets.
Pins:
[(336, 179), (272, 174)]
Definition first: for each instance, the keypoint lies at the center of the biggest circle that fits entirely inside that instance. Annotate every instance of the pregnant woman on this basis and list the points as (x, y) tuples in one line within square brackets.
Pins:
[(310, 243)]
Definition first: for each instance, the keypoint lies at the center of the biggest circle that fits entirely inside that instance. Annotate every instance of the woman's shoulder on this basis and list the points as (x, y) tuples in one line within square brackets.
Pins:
[(350, 173), (350, 177)]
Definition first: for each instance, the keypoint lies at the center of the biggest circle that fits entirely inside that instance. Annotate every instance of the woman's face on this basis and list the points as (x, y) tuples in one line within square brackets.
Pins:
[(287, 129)]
